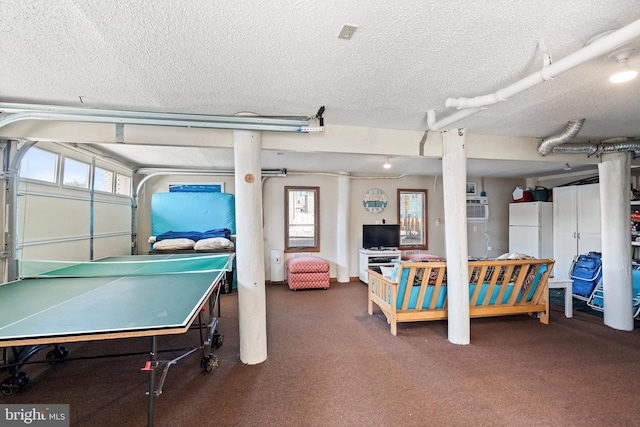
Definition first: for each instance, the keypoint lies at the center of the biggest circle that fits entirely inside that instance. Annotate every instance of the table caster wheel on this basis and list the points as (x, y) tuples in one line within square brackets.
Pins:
[(23, 379), (57, 353), (9, 386), (13, 385), (210, 363), (218, 339), (63, 350)]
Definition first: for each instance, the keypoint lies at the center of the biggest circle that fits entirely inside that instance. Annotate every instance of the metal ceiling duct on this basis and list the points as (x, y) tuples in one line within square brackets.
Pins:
[(632, 145), (557, 143), (570, 131)]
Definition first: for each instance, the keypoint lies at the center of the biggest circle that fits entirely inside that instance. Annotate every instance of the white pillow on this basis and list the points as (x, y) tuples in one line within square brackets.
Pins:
[(518, 255), (213, 243), (396, 267), (386, 271), (173, 244), (515, 255)]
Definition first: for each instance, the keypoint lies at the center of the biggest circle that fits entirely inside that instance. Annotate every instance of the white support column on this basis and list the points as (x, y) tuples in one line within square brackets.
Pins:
[(342, 228), (615, 190), (454, 182), (250, 269)]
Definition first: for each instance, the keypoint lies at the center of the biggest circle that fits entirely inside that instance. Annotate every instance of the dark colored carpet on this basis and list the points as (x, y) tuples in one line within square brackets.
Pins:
[(331, 364), (556, 296)]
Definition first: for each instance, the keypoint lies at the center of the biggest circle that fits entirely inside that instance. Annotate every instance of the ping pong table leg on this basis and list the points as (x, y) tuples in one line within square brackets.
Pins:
[(152, 379), (163, 365), (214, 299)]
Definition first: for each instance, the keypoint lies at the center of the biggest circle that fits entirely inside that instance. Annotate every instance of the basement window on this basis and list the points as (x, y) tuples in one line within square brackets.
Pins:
[(103, 180), (302, 219), (40, 165), (75, 173), (123, 185)]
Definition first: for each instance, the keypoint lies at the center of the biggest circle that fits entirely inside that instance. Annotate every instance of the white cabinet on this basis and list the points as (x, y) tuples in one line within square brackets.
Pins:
[(576, 224), (372, 259)]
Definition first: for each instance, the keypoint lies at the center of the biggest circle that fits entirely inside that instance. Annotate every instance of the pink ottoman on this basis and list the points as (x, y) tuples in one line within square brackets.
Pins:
[(422, 257), (307, 272)]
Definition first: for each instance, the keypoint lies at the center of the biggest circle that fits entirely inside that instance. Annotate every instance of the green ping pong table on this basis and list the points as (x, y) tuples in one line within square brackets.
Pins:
[(57, 302)]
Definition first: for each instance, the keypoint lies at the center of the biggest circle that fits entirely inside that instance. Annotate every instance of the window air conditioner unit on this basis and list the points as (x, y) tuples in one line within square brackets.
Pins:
[(477, 209)]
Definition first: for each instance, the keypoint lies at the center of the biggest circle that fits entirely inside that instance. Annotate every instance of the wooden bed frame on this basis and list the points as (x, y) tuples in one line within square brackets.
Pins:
[(496, 288)]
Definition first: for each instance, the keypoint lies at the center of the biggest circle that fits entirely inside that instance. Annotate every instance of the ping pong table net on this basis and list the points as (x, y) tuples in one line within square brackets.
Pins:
[(131, 267)]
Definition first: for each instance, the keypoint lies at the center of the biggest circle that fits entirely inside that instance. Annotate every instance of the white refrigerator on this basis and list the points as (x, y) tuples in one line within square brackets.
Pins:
[(531, 228)]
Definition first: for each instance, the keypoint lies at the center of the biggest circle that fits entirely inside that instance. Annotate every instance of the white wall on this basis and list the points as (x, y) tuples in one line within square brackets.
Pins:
[(498, 191), (360, 216), (495, 233), (273, 211)]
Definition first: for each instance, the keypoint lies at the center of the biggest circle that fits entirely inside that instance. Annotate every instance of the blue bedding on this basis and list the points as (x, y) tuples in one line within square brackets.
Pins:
[(195, 235)]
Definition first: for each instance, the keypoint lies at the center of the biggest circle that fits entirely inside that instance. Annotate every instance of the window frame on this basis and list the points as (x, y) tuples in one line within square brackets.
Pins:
[(56, 164), (316, 219), (93, 179), (403, 211), (89, 174), (116, 189)]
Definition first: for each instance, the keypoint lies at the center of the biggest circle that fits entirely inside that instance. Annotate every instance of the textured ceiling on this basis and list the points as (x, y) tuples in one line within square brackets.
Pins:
[(285, 58)]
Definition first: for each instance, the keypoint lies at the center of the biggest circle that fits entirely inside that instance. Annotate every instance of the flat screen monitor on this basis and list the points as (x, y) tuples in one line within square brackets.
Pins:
[(381, 236)]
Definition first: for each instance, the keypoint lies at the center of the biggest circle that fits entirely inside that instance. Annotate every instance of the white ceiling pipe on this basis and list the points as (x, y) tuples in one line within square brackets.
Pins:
[(439, 125), (596, 48), (152, 173), (221, 172)]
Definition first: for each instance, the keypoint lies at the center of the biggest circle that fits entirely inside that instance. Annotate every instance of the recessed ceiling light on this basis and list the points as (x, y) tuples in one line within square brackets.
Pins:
[(624, 73), (621, 55)]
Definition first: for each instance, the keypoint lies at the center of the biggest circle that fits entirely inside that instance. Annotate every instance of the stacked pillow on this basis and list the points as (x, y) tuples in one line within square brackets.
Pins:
[(211, 240)]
